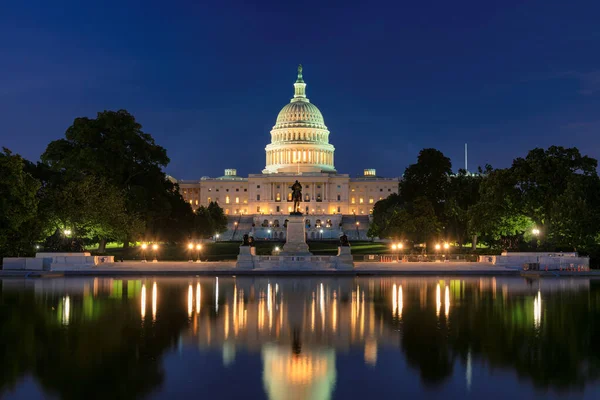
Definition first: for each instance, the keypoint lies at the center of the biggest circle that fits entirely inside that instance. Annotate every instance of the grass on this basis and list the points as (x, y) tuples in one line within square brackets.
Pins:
[(229, 250)]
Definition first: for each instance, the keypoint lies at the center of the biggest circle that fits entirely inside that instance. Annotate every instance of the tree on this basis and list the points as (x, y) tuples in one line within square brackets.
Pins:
[(428, 178), (112, 147), (210, 220), (92, 209), (18, 202)]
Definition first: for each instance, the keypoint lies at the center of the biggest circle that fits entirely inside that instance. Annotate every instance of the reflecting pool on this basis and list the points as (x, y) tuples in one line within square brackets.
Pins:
[(299, 338)]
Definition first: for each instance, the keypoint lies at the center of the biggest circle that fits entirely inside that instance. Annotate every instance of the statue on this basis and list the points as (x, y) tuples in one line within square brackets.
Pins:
[(251, 241), (246, 240), (344, 241), (296, 196)]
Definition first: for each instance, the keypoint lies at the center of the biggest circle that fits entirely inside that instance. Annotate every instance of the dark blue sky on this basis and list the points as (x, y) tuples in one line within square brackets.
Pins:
[(207, 79)]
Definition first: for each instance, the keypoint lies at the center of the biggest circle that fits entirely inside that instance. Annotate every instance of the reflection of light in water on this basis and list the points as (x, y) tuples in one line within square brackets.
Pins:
[(190, 300), (154, 298), (371, 352), (469, 372), (226, 328), (198, 298), (143, 307), (394, 302), (400, 302), (322, 308), (217, 295), (494, 287), (438, 300), (235, 309), (228, 354), (537, 310), (334, 313), (447, 301), (312, 313), (269, 306), (362, 316), (309, 375), (66, 310)]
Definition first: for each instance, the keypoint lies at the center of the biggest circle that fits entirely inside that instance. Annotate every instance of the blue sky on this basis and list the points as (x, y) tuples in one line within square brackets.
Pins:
[(207, 79)]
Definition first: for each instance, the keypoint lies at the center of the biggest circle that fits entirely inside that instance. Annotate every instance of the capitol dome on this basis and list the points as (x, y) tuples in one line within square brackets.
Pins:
[(299, 139)]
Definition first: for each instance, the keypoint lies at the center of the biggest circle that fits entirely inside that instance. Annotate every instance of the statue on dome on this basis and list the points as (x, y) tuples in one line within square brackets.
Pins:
[(296, 196)]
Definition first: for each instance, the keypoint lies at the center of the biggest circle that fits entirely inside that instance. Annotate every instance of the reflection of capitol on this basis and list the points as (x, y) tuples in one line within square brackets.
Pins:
[(298, 325)]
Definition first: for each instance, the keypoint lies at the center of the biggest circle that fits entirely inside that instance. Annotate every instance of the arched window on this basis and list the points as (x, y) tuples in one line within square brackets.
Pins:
[(226, 199), (318, 223)]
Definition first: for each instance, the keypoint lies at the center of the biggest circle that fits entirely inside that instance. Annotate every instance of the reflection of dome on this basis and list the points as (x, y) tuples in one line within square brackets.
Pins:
[(299, 139), (309, 375)]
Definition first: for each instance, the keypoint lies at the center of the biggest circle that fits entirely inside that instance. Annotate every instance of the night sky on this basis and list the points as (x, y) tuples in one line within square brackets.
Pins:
[(207, 79)]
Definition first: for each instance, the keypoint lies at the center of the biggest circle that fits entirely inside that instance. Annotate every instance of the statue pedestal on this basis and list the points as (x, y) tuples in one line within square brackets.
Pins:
[(295, 244), (344, 258), (245, 259)]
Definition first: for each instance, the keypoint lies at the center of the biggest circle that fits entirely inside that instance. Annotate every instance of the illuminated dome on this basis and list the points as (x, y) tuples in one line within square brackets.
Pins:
[(299, 139)]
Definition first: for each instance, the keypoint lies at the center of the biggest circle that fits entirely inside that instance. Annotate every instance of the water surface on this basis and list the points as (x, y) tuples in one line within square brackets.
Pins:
[(299, 338)]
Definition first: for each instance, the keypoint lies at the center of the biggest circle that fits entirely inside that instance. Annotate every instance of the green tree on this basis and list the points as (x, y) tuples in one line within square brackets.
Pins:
[(113, 147), (209, 220), (428, 178), (18, 202)]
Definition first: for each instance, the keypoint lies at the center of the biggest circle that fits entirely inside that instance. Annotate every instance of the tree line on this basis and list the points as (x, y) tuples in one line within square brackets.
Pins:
[(103, 182), (548, 200)]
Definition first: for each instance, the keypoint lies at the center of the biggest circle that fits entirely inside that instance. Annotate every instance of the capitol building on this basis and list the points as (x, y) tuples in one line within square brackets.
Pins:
[(299, 150)]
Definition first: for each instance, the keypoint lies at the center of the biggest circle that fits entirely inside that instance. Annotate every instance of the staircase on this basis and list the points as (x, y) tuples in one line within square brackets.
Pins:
[(354, 231)]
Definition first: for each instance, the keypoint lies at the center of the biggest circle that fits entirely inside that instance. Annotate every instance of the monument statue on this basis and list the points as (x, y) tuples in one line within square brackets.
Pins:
[(296, 196), (246, 241), (344, 241)]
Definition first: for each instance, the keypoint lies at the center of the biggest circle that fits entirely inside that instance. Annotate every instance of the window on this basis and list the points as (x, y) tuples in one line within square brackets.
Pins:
[(258, 209), (307, 186), (278, 197), (353, 189), (227, 190), (381, 190), (208, 200), (339, 197), (277, 208), (258, 186), (370, 200), (245, 190), (217, 190), (353, 201), (226, 199), (210, 189), (227, 211), (196, 202), (278, 186), (237, 200), (339, 209), (389, 190), (258, 197), (237, 190), (361, 200), (339, 187)]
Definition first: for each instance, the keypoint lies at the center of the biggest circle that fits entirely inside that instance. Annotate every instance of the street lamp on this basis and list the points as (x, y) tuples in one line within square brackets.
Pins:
[(144, 247), (269, 233), (216, 237), (321, 232), (191, 248), (535, 231), (67, 232), (155, 248), (437, 249), (198, 248)]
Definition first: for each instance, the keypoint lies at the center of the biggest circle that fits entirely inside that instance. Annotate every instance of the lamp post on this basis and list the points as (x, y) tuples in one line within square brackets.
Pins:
[(437, 249), (269, 234), (191, 248), (357, 234), (536, 233), (144, 247), (198, 248), (321, 232), (446, 248), (394, 249), (216, 237), (399, 246), (155, 248)]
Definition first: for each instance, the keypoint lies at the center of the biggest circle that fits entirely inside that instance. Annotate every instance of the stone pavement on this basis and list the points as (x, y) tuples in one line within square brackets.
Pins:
[(228, 268)]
